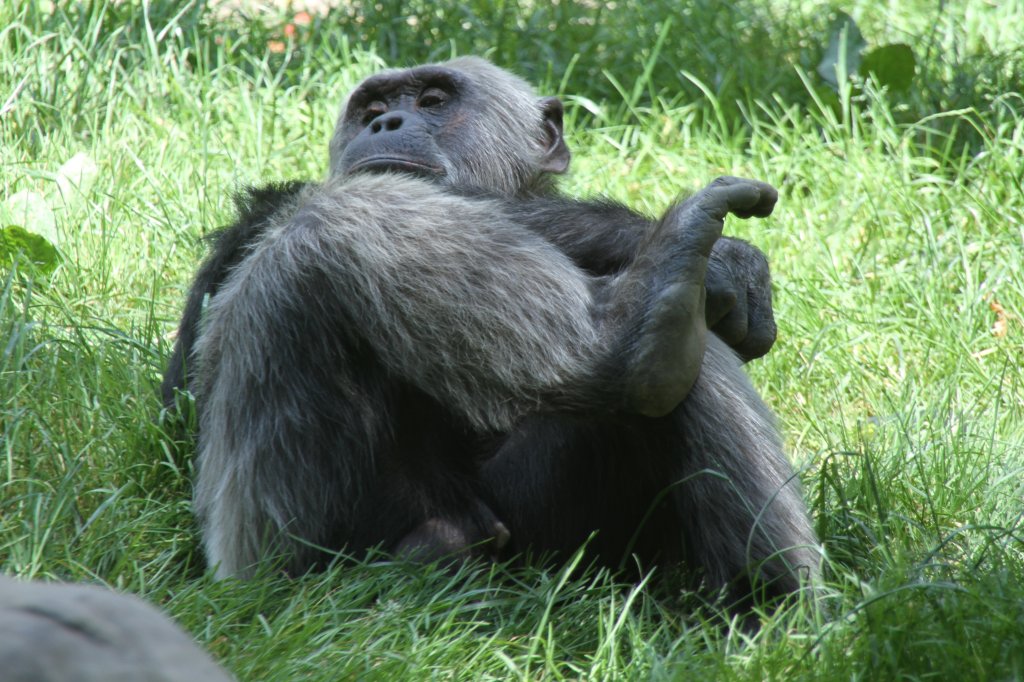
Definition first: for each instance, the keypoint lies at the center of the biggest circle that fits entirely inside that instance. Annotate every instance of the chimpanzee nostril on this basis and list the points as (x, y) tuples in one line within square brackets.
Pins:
[(387, 122)]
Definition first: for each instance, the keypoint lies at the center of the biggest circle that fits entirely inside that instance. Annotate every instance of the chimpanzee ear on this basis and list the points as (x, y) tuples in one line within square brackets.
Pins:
[(556, 154)]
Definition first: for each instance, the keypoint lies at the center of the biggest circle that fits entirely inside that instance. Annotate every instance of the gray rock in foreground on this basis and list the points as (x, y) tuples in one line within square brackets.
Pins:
[(52, 632)]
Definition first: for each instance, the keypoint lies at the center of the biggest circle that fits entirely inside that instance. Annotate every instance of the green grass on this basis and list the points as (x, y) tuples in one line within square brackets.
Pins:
[(897, 243)]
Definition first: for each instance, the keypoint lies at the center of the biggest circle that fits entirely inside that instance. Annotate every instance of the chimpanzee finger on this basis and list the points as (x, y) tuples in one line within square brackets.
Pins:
[(733, 326), (761, 330), (740, 196), (738, 306)]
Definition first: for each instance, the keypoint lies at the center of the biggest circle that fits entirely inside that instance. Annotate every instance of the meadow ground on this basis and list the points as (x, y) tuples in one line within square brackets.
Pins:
[(897, 250)]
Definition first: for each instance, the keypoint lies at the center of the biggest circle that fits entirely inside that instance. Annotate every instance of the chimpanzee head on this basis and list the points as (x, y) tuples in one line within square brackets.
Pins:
[(465, 123)]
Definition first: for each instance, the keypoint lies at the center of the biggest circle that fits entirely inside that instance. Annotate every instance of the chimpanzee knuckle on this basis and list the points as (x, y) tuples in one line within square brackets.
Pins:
[(710, 213), (718, 303), (744, 197), (500, 535), (716, 202), (723, 180), (758, 340), (732, 328)]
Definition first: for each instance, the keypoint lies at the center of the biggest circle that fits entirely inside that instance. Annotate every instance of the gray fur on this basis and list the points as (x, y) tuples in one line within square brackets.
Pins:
[(475, 311)]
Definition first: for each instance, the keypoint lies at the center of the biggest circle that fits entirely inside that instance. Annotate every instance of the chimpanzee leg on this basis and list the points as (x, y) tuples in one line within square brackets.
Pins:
[(707, 484), (557, 479), (427, 487)]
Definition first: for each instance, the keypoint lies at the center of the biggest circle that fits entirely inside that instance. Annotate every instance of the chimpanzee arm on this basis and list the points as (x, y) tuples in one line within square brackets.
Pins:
[(454, 295), (603, 237), (256, 210)]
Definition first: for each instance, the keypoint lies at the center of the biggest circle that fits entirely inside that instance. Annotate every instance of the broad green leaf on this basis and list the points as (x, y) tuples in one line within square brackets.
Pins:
[(842, 56), (15, 239), (892, 66)]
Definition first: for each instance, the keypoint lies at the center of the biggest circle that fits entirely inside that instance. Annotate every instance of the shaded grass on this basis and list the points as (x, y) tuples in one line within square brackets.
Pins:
[(891, 248)]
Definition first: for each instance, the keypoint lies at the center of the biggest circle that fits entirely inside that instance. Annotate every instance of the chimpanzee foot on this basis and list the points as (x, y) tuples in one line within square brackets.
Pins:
[(673, 335), (452, 541)]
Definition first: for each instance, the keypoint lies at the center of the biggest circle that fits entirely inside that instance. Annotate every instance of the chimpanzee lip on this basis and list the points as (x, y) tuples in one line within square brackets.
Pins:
[(379, 164)]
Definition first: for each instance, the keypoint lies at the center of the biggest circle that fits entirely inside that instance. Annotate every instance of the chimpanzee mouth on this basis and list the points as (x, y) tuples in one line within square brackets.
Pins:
[(396, 164)]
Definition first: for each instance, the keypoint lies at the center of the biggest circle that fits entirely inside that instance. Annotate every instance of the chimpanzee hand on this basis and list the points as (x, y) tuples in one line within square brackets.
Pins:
[(668, 350), (739, 298)]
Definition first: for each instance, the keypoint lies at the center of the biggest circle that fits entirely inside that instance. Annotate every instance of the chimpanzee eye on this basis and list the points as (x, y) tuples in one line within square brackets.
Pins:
[(373, 110), (432, 97)]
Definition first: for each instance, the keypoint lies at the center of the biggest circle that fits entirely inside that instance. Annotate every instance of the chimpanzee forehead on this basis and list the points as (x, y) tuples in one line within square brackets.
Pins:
[(395, 83)]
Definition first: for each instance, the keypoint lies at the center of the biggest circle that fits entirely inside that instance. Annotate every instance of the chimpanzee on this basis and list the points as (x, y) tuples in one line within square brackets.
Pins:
[(434, 352)]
